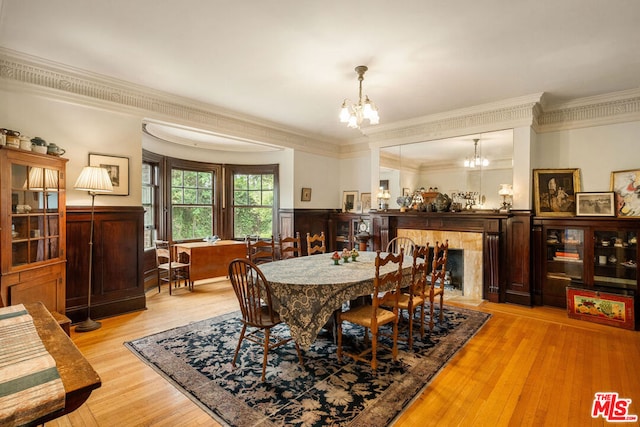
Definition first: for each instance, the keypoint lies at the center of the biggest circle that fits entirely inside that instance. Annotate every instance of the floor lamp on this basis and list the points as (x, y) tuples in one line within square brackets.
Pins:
[(95, 180)]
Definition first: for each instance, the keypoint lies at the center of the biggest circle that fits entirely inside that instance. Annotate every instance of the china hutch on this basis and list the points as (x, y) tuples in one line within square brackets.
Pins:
[(585, 260), (32, 228)]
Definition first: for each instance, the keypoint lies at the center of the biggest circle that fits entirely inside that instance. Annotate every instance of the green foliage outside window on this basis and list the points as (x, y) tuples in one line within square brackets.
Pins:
[(253, 196), (191, 204)]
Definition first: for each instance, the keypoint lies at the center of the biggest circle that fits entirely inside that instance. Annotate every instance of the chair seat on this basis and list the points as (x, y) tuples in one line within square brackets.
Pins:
[(265, 319), (403, 301), (362, 316), (174, 265)]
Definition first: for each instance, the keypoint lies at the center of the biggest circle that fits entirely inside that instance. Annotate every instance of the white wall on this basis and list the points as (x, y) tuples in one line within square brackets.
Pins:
[(322, 175), (597, 151), (80, 130)]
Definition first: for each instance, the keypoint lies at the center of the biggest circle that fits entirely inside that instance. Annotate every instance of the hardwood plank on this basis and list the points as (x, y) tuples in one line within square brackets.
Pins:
[(527, 366)]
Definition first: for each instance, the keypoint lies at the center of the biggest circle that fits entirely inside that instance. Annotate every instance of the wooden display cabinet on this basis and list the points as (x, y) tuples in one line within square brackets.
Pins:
[(592, 255), (345, 229), (32, 228)]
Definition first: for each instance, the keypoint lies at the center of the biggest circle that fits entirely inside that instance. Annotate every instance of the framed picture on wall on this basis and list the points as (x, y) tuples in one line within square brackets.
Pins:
[(365, 201), (306, 194), (595, 204), (118, 168), (554, 191), (626, 186), (349, 201)]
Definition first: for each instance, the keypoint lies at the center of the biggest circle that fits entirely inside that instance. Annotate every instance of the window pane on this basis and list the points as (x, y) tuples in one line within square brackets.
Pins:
[(267, 198), (267, 182), (146, 195), (190, 196), (254, 198), (240, 182), (205, 196), (146, 173), (204, 179), (240, 197), (176, 196), (253, 221), (176, 178), (190, 178), (192, 222), (255, 182)]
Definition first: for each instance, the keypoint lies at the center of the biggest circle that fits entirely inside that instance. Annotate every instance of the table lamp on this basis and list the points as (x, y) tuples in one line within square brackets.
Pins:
[(506, 191), (95, 180)]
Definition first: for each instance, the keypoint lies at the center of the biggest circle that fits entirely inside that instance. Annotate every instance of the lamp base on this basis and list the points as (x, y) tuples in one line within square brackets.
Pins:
[(88, 325)]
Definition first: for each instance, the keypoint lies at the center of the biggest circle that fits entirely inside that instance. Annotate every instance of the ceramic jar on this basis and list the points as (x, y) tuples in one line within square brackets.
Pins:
[(25, 143), (54, 150)]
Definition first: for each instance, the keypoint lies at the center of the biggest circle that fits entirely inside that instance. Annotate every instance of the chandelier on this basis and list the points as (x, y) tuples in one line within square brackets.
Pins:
[(476, 160), (353, 114)]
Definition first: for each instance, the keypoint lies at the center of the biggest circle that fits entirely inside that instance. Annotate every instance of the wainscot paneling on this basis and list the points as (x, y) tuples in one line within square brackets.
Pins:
[(118, 250)]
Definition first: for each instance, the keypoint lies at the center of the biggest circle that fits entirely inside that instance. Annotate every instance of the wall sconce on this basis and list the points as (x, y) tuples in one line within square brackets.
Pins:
[(506, 192)]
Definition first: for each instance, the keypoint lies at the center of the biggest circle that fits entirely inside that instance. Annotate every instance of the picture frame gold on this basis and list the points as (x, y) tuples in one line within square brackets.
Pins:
[(554, 191), (349, 201), (626, 186), (305, 196)]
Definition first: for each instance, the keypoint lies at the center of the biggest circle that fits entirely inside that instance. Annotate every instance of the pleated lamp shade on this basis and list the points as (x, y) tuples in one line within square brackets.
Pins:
[(94, 179)]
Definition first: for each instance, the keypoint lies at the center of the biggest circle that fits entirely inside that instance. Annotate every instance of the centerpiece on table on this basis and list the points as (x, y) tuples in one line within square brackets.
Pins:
[(336, 258), (354, 254), (346, 253)]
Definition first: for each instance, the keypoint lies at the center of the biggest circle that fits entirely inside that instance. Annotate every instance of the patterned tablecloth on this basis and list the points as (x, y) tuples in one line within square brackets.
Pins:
[(30, 385), (307, 290)]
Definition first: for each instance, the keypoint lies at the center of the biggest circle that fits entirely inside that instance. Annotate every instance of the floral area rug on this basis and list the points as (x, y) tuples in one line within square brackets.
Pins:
[(196, 358)]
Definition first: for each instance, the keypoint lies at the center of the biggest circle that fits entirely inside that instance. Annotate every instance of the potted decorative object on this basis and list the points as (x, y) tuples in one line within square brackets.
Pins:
[(404, 202), (39, 145), (354, 254), (336, 258), (346, 253)]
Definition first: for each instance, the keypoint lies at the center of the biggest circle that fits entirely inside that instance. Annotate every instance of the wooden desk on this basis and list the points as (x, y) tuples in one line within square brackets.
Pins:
[(77, 375), (211, 259)]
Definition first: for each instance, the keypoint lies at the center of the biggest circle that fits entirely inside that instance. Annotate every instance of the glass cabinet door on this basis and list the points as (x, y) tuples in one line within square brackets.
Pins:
[(343, 233), (615, 259), (35, 219), (564, 263)]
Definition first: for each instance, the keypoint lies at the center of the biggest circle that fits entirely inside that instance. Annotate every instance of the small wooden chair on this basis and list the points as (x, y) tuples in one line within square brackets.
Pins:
[(313, 246), (254, 296), (372, 316), (170, 270), (438, 273), (396, 243), (261, 251), (290, 246)]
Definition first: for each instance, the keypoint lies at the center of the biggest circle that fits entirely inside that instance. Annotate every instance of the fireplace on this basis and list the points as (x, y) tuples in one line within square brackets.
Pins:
[(464, 258)]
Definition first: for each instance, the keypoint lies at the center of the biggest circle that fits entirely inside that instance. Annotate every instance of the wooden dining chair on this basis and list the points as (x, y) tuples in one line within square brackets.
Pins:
[(316, 243), (261, 251), (254, 296), (386, 292), (169, 269), (290, 246), (396, 243), (438, 273), (414, 296)]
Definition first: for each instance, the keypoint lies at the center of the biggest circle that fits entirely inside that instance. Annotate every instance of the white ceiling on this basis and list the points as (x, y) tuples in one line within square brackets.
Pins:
[(292, 62)]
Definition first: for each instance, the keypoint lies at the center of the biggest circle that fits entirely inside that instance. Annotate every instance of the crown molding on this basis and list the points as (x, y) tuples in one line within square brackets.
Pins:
[(610, 108), (29, 74), (510, 113), (58, 81)]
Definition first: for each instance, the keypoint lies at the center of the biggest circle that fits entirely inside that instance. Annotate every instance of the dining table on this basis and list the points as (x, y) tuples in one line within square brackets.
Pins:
[(307, 290)]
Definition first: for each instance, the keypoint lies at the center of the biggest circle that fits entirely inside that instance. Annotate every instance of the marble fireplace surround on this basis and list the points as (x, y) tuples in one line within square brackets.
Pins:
[(469, 242)]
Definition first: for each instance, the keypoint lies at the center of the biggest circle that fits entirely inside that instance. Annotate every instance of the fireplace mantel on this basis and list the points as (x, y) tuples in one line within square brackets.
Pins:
[(505, 244)]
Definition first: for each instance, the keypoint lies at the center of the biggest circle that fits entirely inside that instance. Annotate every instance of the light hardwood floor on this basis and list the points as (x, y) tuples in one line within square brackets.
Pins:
[(525, 367)]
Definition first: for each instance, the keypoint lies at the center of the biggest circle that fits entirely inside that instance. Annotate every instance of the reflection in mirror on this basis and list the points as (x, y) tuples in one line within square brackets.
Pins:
[(439, 166)]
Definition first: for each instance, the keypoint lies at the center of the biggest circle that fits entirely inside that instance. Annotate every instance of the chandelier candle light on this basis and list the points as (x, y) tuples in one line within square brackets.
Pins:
[(354, 114), (95, 180), (476, 161)]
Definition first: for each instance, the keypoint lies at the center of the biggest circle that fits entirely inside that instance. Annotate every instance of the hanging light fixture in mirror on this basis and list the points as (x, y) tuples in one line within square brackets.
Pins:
[(476, 160), (354, 114)]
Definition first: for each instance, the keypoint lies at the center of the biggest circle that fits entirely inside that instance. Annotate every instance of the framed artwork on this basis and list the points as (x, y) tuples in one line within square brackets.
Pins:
[(349, 199), (365, 201), (406, 192), (595, 204), (306, 195), (384, 184), (554, 191), (626, 186), (601, 307), (118, 168)]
